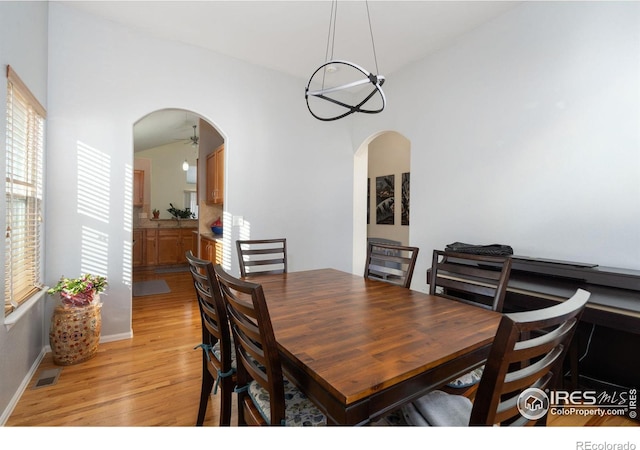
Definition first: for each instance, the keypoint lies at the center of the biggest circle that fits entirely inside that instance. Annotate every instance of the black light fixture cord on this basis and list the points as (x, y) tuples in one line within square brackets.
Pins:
[(331, 35), (373, 45)]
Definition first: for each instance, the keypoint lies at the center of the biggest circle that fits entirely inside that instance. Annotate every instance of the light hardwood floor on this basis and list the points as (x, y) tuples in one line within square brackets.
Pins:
[(152, 379)]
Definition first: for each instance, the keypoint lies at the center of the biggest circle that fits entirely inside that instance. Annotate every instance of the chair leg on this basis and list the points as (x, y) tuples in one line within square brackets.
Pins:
[(225, 401), (574, 361), (205, 392), (240, 398)]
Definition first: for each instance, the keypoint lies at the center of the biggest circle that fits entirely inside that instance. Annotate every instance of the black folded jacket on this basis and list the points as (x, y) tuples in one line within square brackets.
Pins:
[(492, 249)]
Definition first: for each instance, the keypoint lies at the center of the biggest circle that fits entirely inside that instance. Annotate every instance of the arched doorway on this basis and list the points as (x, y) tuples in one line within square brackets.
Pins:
[(385, 158), (171, 150)]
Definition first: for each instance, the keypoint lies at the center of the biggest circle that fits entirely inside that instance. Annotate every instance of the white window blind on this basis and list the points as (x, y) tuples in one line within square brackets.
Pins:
[(24, 193)]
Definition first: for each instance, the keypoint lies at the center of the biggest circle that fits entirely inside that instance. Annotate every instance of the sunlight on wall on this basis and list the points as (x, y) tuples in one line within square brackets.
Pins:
[(94, 168), (227, 221), (128, 198), (94, 188), (127, 244), (245, 231), (127, 249), (94, 251)]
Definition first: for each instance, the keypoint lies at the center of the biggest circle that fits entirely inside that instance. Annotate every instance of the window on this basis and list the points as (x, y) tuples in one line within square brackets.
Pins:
[(24, 193), (191, 202)]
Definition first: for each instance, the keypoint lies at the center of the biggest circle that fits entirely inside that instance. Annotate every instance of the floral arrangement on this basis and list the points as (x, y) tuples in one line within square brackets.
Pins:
[(79, 291)]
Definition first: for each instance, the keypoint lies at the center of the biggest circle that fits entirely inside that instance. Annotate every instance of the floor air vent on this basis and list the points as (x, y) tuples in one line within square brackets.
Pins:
[(47, 378)]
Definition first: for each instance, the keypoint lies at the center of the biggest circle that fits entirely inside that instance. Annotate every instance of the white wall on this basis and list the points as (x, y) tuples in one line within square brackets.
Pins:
[(526, 132), (286, 173), (23, 45), (167, 180)]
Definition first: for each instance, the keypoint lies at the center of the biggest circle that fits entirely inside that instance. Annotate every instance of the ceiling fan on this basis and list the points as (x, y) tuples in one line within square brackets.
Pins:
[(193, 140)]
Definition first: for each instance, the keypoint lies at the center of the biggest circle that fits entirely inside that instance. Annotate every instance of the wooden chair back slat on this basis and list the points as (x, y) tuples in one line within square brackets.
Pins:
[(215, 330), (476, 279), (518, 361), (254, 255), (256, 348), (390, 263)]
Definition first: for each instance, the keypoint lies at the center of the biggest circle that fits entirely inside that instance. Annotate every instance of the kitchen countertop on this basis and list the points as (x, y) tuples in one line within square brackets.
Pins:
[(154, 224), (211, 237), (168, 223)]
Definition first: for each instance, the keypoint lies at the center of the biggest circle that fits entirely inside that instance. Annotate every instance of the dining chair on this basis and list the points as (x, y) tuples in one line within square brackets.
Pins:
[(525, 359), (262, 256), (218, 356), (390, 263), (479, 280), (265, 395)]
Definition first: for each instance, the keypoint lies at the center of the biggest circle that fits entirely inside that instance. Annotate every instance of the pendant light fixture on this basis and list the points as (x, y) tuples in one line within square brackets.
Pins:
[(337, 88), (193, 140)]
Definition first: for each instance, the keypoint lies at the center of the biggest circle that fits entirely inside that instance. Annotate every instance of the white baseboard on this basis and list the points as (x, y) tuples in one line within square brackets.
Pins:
[(103, 339), (23, 386), (116, 337)]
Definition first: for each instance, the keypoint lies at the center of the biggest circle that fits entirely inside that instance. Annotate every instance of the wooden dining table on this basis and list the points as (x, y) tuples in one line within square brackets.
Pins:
[(361, 348)]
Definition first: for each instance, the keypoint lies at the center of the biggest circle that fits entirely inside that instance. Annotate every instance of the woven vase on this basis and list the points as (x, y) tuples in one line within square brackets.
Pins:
[(75, 333)]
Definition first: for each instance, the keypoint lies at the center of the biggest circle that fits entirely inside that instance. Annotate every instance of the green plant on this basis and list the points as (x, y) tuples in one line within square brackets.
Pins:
[(79, 291), (155, 211), (180, 213)]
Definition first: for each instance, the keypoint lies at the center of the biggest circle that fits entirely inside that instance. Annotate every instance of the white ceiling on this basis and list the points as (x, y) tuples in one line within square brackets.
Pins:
[(291, 36), (164, 127)]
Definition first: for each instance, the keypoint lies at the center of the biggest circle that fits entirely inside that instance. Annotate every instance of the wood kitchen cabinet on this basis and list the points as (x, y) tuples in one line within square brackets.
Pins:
[(150, 247), (215, 176), (166, 246), (137, 254), (208, 250), (173, 244), (138, 187), (186, 244), (195, 243)]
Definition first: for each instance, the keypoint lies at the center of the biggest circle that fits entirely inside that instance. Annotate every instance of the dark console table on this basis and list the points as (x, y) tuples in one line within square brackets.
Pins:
[(614, 308)]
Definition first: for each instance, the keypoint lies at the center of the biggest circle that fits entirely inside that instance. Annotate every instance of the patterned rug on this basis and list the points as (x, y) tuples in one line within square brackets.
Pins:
[(393, 419)]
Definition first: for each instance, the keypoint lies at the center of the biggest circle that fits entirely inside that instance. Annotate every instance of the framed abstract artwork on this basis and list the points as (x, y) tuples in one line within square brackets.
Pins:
[(368, 199), (404, 217), (385, 192)]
